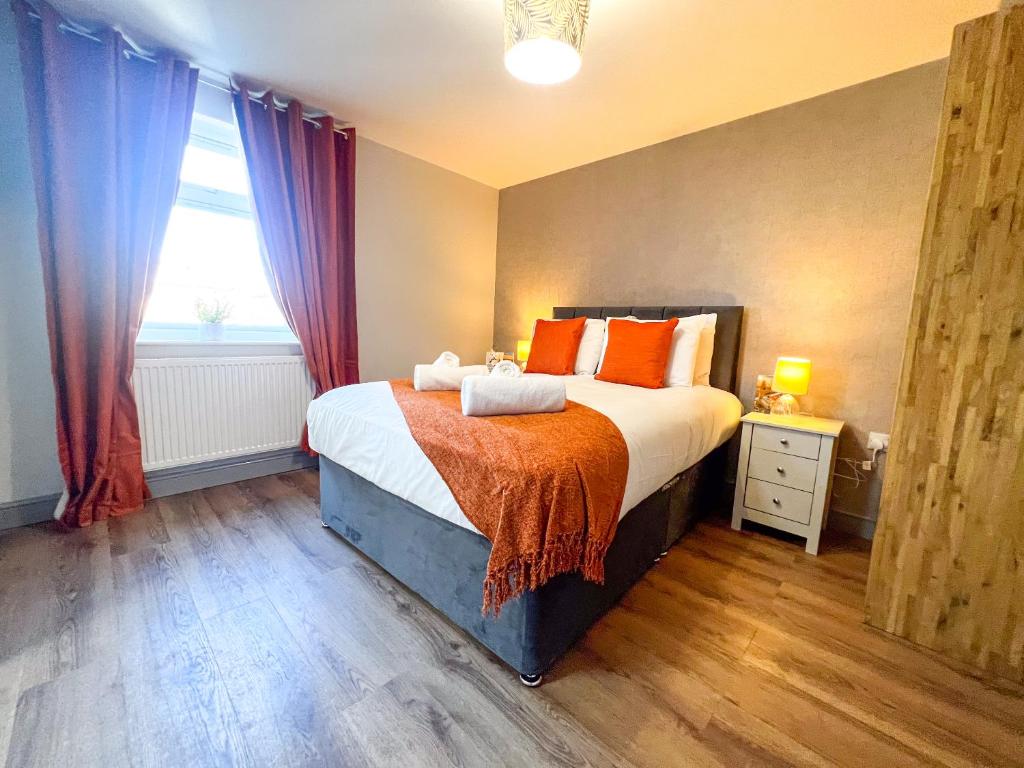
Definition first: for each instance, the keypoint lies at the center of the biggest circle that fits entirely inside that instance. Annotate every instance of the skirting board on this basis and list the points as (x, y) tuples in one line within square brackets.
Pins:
[(27, 511), (851, 524), (193, 477), (167, 482)]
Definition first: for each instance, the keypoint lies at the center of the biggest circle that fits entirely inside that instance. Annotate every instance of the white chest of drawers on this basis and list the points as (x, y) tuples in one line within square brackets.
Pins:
[(784, 477)]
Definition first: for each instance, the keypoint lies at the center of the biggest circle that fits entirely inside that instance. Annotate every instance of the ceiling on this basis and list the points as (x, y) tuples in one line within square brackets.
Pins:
[(426, 76)]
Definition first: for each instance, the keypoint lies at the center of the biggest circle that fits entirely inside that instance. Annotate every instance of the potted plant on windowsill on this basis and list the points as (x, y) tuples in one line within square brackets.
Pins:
[(212, 315)]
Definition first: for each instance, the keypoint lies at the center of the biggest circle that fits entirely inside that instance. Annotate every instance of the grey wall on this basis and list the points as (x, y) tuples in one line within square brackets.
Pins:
[(809, 215), (28, 446), (425, 242)]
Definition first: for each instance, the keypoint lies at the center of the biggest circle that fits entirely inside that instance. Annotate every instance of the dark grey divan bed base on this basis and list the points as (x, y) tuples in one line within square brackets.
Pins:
[(446, 564)]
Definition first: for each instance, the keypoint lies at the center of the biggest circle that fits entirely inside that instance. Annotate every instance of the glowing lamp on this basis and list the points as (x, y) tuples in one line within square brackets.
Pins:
[(522, 350), (792, 375), (544, 38)]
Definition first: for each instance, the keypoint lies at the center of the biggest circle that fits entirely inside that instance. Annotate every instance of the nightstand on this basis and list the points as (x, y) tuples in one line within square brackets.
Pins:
[(784, 476)]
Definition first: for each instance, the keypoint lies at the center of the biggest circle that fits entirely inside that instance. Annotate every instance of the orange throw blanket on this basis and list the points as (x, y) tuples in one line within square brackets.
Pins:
[(545, 488)]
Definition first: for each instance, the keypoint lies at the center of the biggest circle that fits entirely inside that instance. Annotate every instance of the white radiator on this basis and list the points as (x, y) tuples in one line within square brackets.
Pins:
[(200, 409)]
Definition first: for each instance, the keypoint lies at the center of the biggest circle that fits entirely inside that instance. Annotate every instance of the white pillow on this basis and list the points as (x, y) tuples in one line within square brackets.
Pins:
[(682, 355), (705, 351), (591, 347), (604, 339)]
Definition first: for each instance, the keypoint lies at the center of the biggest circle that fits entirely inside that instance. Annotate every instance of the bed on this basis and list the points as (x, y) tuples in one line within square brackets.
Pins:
[(381, 494)]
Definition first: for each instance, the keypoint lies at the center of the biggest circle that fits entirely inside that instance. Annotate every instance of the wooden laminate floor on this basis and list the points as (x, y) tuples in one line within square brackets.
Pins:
[(226, 627)]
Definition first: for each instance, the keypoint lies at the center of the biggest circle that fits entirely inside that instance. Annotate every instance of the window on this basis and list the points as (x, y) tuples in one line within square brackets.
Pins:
[(210, 266)]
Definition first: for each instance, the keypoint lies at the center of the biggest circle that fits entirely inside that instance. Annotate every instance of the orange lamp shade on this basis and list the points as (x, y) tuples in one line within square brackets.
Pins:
[(522, 349), (792, 374)]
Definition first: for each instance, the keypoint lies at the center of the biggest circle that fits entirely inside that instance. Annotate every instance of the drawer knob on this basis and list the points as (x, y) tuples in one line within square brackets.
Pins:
[(780, 470), (784, 441), (776, 501)]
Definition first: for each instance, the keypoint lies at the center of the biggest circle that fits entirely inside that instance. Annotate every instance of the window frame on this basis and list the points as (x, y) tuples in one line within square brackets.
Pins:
[(211, 199), (213, 137)]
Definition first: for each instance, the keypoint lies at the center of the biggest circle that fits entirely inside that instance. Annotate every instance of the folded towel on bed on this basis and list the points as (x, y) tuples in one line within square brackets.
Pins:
[(432, 378), (507, 369), (448, 359), (507, 396)]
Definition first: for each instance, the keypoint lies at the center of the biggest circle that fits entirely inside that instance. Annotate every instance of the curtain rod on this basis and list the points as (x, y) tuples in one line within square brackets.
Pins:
[(133, 51)]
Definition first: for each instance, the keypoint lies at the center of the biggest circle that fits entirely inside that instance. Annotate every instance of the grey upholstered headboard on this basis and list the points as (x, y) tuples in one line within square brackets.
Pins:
[(727, 332)]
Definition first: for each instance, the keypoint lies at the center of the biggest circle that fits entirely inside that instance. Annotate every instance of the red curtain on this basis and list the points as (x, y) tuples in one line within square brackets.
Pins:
[(303, 184), (107, 132)]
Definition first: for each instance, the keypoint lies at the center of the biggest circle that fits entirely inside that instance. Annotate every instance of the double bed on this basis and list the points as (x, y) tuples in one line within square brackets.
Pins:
[(381, 493)]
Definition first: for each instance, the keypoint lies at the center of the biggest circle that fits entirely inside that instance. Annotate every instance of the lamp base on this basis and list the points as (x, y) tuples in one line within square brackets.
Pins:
[(785, 405)]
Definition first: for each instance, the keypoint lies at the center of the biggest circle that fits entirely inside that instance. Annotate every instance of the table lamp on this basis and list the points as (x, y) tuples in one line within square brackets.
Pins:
[(522, 351), (792, 375)]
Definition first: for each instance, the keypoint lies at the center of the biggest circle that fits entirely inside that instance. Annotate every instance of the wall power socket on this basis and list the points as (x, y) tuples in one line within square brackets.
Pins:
[(878, 441)]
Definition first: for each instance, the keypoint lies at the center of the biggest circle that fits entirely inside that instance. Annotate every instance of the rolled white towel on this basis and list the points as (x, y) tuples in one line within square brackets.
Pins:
[(507, 369), (447, 359), (505, 396), (430, 378)]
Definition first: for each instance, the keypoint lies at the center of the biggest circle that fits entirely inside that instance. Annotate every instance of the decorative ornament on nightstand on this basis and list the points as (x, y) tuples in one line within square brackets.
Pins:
[(763, 398), (492, 358), (792, 375)]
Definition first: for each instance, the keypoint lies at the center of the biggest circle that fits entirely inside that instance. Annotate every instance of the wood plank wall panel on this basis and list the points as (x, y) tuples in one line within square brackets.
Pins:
[(947, 566)]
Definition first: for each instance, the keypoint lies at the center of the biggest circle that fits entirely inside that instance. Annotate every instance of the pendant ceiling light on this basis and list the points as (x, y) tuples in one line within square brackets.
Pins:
[(544, 38)]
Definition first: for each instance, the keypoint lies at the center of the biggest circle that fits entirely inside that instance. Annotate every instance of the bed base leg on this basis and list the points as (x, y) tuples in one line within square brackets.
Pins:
[(323, 524), (531, 681)]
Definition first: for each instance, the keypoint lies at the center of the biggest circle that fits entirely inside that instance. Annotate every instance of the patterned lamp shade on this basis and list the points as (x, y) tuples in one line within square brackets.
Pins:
[(544, 39)]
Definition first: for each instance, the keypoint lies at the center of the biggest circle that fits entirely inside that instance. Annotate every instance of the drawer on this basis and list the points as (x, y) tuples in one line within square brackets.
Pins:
[(779, 500), (786, 441), (783, 469)]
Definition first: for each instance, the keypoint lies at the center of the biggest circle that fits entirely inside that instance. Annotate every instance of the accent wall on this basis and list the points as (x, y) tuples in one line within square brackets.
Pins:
[(809, 215)]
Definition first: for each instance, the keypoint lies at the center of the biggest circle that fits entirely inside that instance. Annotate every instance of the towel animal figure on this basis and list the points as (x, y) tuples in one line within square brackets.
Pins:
[(507, 369), (447, 359)]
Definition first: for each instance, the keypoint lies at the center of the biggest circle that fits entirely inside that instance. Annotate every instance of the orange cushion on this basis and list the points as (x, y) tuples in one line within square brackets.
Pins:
[(637, 353), (554, 346)]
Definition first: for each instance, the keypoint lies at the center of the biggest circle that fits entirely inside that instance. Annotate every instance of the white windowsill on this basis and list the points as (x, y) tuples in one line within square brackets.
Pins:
[(149, 350)]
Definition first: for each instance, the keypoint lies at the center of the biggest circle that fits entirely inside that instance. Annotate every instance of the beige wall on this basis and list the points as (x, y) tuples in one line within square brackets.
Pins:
[(425, 242), (809, 215)]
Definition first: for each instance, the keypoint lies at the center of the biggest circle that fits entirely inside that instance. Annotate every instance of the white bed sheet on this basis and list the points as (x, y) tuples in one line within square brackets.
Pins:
[(666, 431)]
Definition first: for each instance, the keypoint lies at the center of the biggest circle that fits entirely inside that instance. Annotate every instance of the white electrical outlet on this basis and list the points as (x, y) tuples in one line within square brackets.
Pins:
[(878, 441)]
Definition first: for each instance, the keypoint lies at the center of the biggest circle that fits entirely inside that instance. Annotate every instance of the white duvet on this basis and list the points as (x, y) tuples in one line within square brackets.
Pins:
[(666, 431)]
